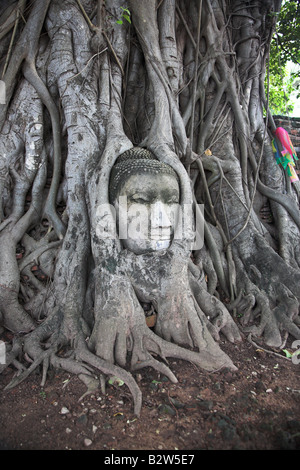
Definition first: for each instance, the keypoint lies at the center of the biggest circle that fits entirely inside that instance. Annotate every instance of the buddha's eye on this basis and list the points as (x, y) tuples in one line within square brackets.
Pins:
[(172, 200), (139, 199)]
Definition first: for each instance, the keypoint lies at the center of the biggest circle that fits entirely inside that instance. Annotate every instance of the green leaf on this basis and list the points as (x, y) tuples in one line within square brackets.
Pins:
[(127, 18), (287, 353), (290, 355), (116, 381), (119, 22)]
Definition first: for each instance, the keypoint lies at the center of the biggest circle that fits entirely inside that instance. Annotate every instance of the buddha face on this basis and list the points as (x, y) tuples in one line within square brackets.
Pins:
[(146, 209)]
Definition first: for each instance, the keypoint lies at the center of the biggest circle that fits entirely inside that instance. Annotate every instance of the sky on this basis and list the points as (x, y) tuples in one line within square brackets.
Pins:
[(296, 111)]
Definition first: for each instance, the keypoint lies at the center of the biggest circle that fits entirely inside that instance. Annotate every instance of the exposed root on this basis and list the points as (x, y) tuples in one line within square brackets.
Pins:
[(82, 363), (268, 351), (218, 318), (137, 341), (268, 313), (112, 370), (140, 85)]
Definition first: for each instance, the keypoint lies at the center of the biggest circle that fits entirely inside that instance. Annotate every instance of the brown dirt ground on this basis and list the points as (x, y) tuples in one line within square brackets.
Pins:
[(256, 408)]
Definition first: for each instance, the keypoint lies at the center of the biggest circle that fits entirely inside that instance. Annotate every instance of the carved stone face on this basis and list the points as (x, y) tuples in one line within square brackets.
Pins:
[(146, 209)]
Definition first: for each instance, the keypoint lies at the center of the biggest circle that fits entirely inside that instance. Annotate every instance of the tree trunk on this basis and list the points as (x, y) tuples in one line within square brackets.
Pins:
[(86, 82)]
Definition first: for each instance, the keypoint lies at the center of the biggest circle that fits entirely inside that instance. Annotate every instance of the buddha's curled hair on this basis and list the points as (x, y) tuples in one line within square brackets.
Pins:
[(136, 160)]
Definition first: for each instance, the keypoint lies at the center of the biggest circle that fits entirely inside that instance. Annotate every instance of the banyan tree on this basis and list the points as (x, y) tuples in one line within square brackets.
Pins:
[(136, 155)]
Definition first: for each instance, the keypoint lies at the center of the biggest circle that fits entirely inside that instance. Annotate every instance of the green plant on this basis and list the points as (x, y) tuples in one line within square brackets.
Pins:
[(289, 354), (116, 381), (125, 15), (284, 51)]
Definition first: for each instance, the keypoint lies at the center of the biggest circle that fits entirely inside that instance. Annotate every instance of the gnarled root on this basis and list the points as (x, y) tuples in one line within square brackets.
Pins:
[(79, 360), (162, 278), (266, 310)]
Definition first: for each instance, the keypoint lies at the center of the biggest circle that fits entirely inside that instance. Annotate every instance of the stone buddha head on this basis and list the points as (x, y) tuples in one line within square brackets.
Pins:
[(145, 193)]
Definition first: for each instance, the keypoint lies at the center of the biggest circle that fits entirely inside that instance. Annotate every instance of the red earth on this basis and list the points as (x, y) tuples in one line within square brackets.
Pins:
[(255, 408)]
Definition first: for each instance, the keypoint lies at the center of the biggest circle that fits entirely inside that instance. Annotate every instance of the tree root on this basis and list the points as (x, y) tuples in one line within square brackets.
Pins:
[(91, 100), (42, 346), (81, 362), (86, 364), (268, 311)]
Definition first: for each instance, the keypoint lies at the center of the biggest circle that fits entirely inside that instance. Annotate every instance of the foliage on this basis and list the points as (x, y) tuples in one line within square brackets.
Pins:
[(285, 49), (287, 35), (125, 15), (281, 87)]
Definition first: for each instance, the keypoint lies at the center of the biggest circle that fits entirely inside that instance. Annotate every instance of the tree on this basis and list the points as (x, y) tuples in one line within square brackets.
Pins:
[(284, 50), (287, 37), (87, 81), (281, 86)]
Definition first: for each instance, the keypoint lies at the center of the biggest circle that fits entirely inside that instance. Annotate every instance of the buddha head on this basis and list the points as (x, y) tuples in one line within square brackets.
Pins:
[(145, 193)]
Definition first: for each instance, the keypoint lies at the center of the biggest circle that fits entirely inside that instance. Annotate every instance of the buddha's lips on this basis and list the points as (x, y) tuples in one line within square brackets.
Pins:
[(161, 234)]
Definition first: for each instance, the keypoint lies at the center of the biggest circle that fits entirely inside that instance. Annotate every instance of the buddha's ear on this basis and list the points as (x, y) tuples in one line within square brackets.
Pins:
[(120, 201), (116, 204)]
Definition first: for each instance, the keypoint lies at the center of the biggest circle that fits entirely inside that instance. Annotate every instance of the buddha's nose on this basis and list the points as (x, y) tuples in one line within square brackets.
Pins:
[(159, 215)]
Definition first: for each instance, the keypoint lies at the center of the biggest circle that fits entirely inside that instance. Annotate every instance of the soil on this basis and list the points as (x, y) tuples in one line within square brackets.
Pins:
[(255, 408)]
